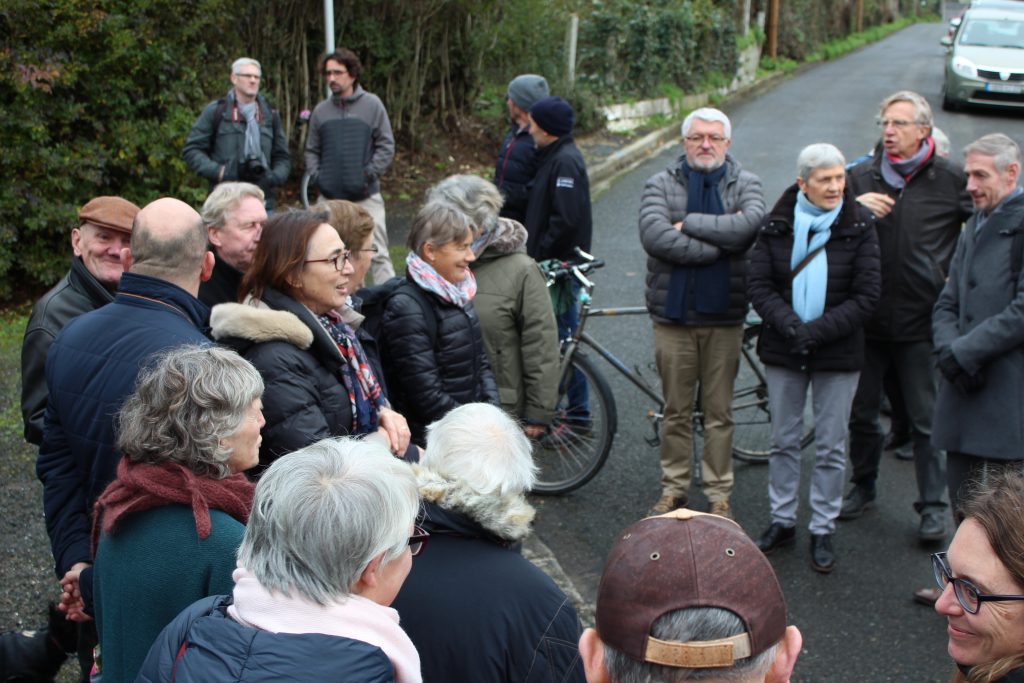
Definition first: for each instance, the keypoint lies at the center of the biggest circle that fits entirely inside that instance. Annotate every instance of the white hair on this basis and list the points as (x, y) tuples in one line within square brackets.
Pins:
[(1003, 150), (479, 199), (236, 66), (481, 446), (818, 155), (321, 514), (922, 110), (225, 197), (711, 115)]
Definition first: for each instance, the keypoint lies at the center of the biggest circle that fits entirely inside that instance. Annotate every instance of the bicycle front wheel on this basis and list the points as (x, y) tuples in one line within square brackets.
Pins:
[(580, 436), (752, 432)]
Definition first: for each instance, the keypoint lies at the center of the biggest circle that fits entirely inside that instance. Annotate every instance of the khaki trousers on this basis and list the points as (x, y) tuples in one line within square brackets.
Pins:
[(381, 269), (686, 356)]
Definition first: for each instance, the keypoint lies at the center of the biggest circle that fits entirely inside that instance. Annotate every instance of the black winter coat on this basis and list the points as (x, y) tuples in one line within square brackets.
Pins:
[(558, 216), (514, 170), (916, 242), (217, 649), (477, 610), (223, 285), (428, 377), (851, 295)]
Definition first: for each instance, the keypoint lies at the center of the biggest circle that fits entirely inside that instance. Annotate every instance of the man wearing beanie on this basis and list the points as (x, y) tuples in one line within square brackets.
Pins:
[(104, 229), (558, 214), (517, 161), (685, 573)]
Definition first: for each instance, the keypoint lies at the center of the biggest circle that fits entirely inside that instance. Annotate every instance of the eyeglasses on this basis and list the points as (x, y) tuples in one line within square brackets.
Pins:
[(698, 139), (418, 541), (338, 260), (967, 594), (895, 123), (371, 250), (335, 72)]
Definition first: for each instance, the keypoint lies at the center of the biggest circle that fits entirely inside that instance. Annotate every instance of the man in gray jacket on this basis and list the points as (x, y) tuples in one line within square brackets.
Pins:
[(698, 220), (978, 322), (350, 146), (239, 136)]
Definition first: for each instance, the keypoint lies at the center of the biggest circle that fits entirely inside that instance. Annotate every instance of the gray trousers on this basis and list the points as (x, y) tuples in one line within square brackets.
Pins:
[(381, 269), (831, 398)]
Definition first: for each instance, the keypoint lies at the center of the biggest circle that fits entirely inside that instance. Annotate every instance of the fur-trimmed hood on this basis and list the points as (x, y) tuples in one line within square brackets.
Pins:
[(256, 322), (507, 517)]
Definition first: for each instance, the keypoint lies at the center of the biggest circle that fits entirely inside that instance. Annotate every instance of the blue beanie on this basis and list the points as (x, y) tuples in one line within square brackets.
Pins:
[(553, 115)]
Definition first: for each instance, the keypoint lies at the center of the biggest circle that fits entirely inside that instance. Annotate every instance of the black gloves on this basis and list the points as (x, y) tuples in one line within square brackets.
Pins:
[(955, 374), (802, 343)]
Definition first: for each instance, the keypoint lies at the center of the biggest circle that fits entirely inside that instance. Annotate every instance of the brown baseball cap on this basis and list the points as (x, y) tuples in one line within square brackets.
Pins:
[(109, 212), (681, 560)]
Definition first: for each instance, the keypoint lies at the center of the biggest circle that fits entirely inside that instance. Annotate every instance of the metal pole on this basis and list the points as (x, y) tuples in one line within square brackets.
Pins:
[(328, 31), (570, 71)]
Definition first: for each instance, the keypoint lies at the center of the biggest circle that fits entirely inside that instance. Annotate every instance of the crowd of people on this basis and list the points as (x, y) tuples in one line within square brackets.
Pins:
[(243, 446)]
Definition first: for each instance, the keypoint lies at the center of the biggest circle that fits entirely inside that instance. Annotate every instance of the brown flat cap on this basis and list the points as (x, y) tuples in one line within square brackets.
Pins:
[(109, 212)]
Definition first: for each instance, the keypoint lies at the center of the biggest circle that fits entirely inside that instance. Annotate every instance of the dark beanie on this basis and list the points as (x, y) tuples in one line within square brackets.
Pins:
[(553, 115), (525, 90)]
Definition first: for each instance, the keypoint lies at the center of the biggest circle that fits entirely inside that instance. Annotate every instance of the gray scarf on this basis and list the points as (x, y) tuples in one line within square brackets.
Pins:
[(897, 173), (253, 149)]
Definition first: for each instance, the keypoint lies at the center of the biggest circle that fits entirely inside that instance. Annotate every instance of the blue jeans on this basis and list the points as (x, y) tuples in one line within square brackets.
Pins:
[(578, 405)]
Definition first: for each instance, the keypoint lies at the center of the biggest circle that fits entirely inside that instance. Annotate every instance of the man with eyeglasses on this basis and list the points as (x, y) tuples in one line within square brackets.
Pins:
[(698, 220), (349, 147), (920, 201), (239, 136), (234, 215)]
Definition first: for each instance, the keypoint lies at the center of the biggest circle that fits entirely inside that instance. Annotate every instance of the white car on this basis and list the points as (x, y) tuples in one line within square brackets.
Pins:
[(985, 63)]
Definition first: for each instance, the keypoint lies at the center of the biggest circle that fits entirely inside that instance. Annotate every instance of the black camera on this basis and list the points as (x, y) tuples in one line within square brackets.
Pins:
[(252, 170)]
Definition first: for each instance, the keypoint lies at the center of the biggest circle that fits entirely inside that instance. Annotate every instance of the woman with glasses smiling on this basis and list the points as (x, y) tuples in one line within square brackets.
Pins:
[(320, 381), (982, 582)]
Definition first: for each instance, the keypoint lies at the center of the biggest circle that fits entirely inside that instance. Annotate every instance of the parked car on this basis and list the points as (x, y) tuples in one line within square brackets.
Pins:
[(985, 62)]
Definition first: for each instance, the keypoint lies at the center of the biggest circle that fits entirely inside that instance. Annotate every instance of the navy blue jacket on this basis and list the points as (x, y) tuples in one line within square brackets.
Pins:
[(558, 217), (514, 171), (477, 610), (91, 368), (220, 650)]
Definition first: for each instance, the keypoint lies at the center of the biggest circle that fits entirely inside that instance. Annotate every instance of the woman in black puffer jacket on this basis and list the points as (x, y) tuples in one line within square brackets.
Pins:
[(814, 278), (435, 364)]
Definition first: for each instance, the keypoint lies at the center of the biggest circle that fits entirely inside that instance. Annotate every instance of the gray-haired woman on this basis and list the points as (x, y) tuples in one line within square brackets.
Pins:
[(328, 545), (168, 527), (814, 278), (431, 345)]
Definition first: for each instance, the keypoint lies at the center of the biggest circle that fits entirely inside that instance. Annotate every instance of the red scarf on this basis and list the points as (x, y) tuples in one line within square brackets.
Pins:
[(141, 486)]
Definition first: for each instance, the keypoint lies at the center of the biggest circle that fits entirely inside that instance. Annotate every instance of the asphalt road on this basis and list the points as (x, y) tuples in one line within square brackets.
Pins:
[(859, 622)]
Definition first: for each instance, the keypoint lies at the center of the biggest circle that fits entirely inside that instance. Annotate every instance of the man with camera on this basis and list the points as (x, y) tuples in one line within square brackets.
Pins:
[(239, 136)]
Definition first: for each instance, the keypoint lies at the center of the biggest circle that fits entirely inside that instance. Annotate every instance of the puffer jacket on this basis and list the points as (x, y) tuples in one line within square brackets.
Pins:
[(206, 156), (78, 292), (305, 398), (428, 377), (514, 170), (916, 242), (703, 239), (204, 645), (475, 608), (518, 325), (850, 297)]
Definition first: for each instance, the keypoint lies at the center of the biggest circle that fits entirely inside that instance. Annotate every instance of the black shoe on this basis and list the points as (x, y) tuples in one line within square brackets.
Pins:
[(823, 558), (776, 535), (894, 441), (856, 502), (932, 527)]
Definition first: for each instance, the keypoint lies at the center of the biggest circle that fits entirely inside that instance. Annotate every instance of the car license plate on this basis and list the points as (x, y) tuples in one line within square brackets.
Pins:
[(1010, 88)]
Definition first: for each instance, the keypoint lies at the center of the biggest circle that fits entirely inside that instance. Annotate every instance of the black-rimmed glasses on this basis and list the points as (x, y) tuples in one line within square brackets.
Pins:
[(418, 541), (371, 250), (338, 260), (967, 594)]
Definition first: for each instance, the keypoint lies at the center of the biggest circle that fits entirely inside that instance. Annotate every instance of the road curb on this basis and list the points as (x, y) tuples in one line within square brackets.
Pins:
[(537, 552)]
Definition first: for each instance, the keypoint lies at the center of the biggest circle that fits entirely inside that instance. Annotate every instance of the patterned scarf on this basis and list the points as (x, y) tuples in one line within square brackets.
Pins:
[(898, 172), (364, 392), (423, 274)]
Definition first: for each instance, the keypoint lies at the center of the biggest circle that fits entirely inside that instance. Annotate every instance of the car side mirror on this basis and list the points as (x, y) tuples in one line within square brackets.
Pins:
[(946, 41)]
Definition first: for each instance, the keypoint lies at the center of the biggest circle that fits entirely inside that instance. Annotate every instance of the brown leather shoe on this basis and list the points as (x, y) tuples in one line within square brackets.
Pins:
[(667, 503), (927, 596), (721, 508)]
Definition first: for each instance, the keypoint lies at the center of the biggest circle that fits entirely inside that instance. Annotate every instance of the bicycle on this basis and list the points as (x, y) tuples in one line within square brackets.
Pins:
[(576, 445)]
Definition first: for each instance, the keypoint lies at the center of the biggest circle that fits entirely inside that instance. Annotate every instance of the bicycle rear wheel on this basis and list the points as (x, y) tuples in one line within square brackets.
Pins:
[(576, 447), (751, 439)]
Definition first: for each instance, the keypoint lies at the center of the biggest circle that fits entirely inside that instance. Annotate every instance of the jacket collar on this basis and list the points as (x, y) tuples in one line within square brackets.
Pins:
[(781, 215), (86, 282), (456, 506), (544, 153), (136, 289)]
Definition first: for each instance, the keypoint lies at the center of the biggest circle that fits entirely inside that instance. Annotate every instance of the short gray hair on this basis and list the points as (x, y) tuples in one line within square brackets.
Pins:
[(439, 222), (224, 198), (477, 198), (922, 110), (942, 143), (1003, 150), (482, 446), (711, 115), (237, 65), (322, 513), (688, 625), (818, 155), (185, 401)]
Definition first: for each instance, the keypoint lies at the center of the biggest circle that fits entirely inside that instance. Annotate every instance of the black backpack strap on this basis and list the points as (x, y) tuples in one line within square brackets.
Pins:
[(218, 114), (429, 315), (1016, 256)]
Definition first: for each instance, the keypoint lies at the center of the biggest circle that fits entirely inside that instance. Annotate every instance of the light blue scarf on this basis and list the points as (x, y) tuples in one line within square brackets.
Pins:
[(810, 283)]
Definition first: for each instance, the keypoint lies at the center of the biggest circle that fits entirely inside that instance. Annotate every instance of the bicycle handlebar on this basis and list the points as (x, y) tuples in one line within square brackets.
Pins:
[(574, 268)]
